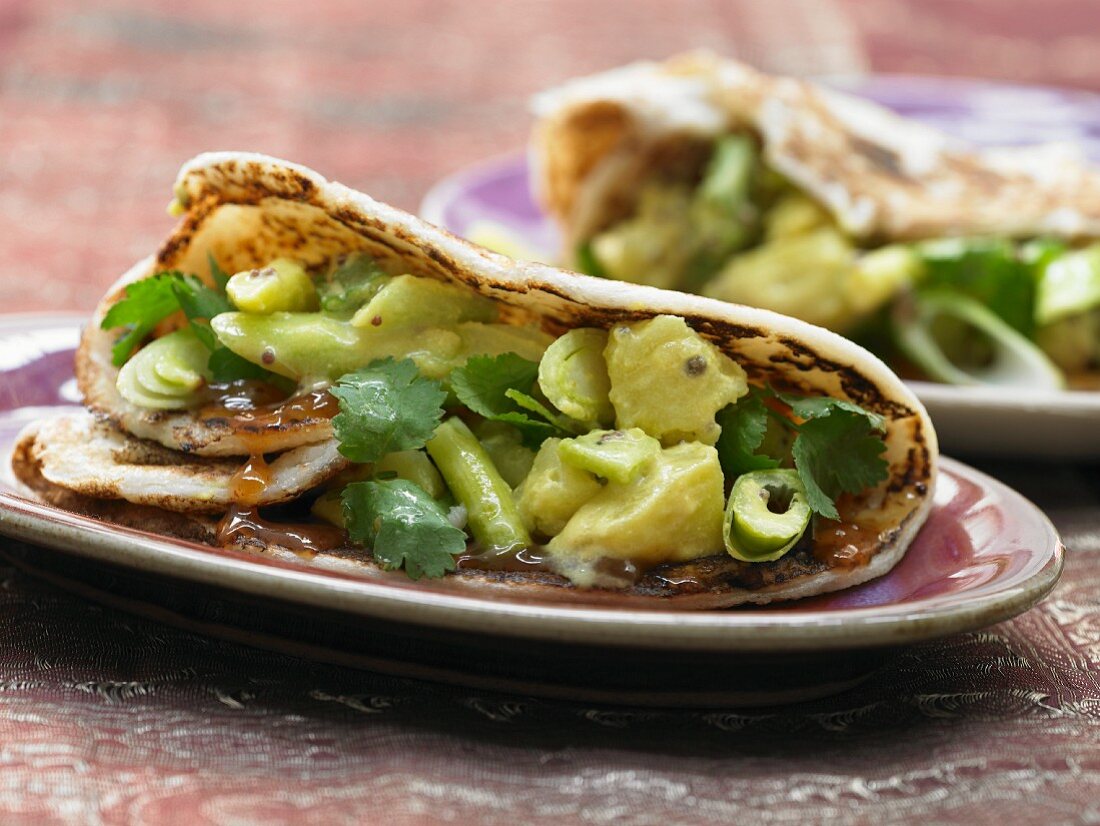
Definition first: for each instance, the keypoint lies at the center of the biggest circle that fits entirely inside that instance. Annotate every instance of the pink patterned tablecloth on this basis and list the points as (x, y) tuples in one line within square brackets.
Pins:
[(107, 718)]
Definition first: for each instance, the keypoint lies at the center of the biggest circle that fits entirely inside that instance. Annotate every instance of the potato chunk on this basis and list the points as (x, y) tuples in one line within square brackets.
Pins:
[(282, 286), (409, 301), (668, 381), (673, 512), (797, 275), (553, 491)]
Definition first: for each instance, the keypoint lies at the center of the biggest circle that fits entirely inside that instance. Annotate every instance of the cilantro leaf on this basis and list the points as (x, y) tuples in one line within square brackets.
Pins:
[(146, 304), (403, 526), (127, 343), (744, 425), (838, 452), (199, 301), (817, 407), (384, 407), (351, 285), (206, 335), (499, 388), (990, 270), (482, 382), (147, 299), (219, 276), (226, 366), (200, 304), (557, 420)]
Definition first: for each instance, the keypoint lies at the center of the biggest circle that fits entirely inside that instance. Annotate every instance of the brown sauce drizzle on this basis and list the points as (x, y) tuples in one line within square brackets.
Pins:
[(251, 480), (845, 543), (534, 560), (525, 560), (257, 406), (242, 524)]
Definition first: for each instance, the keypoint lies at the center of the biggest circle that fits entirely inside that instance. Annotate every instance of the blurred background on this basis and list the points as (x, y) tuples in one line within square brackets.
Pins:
[(101, 102)]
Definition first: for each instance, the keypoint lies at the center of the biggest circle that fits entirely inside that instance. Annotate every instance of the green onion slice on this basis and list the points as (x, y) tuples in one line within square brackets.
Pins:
[(1008, 359)]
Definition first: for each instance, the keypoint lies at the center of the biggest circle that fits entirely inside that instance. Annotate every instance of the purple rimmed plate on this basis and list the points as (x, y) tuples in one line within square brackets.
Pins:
[(492, 203), (985, 554)]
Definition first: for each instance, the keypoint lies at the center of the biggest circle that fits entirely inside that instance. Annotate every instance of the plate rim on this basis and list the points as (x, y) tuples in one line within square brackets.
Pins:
[(731, 631), (1001, 398)]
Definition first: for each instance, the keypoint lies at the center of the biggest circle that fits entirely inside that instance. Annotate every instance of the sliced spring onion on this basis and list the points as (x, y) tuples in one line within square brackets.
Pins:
[(1014, 362), (729, 174), (1069, 285)]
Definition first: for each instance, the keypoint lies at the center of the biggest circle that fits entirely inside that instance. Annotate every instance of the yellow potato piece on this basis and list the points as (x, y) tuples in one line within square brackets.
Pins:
[(673, 512), (668, 381), (553, 491)]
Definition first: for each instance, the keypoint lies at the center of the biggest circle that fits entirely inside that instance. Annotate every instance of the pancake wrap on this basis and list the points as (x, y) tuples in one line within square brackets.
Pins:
[(882, 177), (122, 462)]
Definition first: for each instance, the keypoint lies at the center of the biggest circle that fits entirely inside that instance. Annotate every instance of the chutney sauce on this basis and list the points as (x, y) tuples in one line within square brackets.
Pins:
[(255, 407), (250, 407)]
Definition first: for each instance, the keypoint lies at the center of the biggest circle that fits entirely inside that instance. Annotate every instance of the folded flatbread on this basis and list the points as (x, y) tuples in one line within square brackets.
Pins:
[(880, 175), (125, 463), (705, 175)]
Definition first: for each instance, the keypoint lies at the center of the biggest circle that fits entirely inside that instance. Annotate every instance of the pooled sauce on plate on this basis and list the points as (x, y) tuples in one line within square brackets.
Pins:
[(844, 545), (526, 560)]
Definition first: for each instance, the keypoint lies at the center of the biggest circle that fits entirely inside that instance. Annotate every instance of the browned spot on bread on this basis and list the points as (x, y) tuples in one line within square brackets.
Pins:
[(197, 213)]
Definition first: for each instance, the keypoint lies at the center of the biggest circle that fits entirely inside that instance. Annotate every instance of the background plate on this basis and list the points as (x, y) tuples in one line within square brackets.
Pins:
[(976, 421), (985, 554)]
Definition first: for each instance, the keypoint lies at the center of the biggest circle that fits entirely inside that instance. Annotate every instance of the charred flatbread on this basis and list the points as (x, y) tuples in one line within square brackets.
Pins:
[(243, 211)]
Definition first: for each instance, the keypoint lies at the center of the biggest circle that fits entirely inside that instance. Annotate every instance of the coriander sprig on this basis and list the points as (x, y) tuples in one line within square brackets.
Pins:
[(836, 448), (385, 407), (501, 389), (403, 526), (149, 301)]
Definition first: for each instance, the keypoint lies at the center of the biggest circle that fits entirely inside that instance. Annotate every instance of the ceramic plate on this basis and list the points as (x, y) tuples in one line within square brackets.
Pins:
[(985, 554), (977, 421)]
